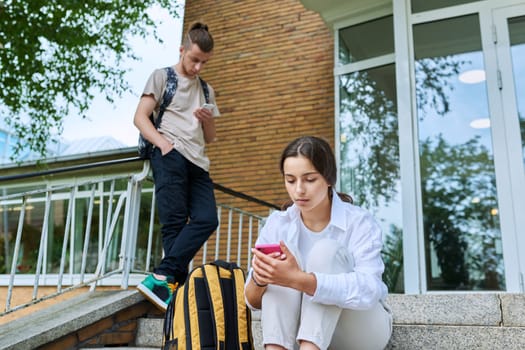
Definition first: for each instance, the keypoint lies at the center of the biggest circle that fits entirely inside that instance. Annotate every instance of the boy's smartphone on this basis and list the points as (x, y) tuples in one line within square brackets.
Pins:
[(268, 248), (208, 106)]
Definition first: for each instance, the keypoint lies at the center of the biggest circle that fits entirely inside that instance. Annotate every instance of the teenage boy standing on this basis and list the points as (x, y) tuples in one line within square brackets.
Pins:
[(183, 188)]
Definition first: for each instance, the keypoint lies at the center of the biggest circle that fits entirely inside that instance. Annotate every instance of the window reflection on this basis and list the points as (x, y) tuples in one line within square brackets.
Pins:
[(369, 156), (366, 40), (460, 209)]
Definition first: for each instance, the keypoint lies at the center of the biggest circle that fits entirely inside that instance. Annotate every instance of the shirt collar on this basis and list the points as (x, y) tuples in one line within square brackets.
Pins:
[(337, 216)]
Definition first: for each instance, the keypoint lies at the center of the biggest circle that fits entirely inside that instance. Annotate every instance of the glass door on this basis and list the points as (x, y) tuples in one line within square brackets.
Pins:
[(461, 210), (509, 38)]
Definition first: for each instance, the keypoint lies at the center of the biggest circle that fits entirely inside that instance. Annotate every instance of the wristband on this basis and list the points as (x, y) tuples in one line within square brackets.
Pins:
[(257, 283)]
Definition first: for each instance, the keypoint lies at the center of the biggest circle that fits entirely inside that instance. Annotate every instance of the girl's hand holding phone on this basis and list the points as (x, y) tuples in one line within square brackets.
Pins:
[(275, 264), (269, 248)]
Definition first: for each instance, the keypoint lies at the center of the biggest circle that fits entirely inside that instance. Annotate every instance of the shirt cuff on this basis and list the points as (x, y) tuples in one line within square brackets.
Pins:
[(327, 291)]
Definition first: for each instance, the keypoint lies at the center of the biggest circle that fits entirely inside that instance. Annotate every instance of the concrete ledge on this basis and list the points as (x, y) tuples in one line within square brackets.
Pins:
[(447, 309), (458, 321), (58, 320), (411, 337), (512, 308)]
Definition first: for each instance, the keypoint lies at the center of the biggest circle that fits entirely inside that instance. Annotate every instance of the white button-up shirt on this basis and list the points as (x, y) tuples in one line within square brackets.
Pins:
[(352, 227)]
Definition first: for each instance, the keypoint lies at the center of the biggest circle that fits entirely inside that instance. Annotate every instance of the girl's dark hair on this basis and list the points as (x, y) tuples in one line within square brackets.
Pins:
[(198, 34), (319, 152)]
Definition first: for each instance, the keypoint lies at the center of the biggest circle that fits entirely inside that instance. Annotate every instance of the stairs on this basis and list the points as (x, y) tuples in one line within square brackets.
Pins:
[(89, 320), (116, 319), (124, 320), (482, 321)]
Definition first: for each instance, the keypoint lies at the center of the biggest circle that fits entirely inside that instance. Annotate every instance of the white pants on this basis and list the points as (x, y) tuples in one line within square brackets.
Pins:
[(287, 317)]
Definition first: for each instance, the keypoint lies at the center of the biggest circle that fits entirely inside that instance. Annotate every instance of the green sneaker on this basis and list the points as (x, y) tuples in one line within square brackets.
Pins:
[(156, 291)]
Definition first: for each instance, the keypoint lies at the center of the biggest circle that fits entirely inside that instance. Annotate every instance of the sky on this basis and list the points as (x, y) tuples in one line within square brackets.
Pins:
[(116, 120)]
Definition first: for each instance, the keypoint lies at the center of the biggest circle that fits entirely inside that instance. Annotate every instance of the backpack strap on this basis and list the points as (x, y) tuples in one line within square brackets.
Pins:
[(169, 92), (171, 88), (244, 321), (213, 284), (205, 90)]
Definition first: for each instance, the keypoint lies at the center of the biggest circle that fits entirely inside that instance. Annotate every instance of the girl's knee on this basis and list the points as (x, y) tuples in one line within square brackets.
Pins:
[(329, 256)]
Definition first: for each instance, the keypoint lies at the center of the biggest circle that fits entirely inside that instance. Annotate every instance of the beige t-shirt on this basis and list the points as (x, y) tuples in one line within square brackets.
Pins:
[(179, 125)]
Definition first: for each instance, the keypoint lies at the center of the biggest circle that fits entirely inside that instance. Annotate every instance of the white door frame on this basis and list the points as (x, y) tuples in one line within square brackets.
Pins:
[(513, 204)]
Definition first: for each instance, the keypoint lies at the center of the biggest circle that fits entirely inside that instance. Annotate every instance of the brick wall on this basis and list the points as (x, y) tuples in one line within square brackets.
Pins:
[(118, 330), (272, 70)]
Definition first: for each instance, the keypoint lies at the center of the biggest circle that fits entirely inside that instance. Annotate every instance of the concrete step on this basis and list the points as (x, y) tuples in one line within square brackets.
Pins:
[(433, 321), (64, 320), (409, 337), (149, 332), (481, 321), (405, 337)]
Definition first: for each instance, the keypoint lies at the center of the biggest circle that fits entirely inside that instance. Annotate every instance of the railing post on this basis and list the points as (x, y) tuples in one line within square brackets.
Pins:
[(42, 251), (131, 220), (15, 253)]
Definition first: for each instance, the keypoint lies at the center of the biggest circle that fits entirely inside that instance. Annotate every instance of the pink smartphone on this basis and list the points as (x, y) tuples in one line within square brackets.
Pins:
[(268, 248)]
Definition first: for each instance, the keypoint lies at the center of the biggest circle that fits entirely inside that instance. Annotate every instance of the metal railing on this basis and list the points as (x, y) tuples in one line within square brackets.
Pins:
[(90, 233)]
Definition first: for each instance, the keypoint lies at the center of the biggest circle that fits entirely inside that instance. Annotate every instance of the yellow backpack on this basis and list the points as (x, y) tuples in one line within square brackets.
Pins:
[(209, 312)]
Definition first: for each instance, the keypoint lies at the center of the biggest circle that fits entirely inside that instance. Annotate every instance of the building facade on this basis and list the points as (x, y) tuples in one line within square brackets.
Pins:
[(424, 103)]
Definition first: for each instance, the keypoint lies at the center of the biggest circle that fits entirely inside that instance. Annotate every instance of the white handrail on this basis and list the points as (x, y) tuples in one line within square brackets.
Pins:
[(101, 254)]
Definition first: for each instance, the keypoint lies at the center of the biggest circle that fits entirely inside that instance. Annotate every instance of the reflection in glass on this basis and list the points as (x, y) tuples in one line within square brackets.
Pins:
[(366, 40), (426, 5), (517, 42), (369, 156), (460, 210)]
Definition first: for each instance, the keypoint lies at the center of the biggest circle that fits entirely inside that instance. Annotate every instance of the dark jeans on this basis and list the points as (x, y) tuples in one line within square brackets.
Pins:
[(186, 208)]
